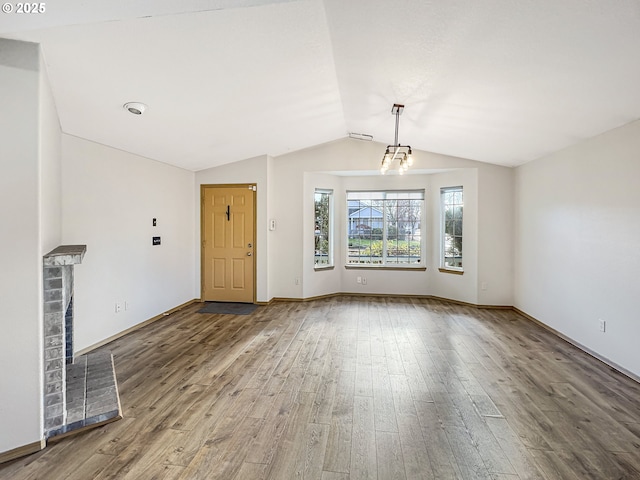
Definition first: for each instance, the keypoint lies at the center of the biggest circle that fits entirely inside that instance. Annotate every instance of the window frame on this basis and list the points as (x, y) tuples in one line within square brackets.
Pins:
[(330, 229), (378, 195), (459, 270)]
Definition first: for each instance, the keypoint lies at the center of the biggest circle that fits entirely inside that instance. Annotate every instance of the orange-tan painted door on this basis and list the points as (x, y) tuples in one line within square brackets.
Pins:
[(228, 244)]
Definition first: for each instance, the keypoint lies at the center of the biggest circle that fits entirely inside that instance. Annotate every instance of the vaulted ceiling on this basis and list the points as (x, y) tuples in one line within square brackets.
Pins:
[(497, 81)]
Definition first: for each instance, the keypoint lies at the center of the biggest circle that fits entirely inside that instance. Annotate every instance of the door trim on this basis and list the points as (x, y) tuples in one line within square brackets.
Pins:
[(251, 186)]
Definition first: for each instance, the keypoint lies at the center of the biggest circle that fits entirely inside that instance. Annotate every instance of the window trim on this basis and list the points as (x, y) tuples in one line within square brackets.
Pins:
[(443, 267), (330, 235), (385, 192), (364, 266), (451, 270)]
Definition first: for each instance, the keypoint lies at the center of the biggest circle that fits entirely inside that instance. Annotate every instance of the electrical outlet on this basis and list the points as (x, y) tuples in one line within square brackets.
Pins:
[(297, 280), (364, 280), (126, 306), (483, 286), (358, 279), (118, 307), (603, 325)]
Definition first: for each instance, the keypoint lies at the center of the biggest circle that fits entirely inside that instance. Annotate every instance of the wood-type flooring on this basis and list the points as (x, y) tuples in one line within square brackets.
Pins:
[(354, 388)]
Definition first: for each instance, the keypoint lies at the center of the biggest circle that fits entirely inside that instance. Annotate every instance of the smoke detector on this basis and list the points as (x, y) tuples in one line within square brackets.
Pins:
[(136, 108)]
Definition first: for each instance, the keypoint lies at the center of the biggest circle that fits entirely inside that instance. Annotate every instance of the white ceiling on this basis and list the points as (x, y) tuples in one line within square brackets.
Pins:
[(498, 81)]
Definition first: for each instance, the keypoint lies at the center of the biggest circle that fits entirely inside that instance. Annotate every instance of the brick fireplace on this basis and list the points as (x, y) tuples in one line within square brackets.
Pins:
[(78, 392)]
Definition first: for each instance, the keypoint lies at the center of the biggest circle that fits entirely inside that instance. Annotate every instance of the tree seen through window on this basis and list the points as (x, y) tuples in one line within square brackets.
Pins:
[(322, 235), (452, 209)]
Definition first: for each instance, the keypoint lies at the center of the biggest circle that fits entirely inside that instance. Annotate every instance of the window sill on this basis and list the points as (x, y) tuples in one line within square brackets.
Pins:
[(383, 267), (451, 271), (323, 267)]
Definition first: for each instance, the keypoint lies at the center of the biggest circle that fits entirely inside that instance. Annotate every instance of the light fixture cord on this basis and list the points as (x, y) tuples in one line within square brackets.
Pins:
[(397, 123)]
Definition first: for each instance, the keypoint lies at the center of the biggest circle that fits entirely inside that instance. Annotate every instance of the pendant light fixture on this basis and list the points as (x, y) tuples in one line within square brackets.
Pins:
[(402, 153)]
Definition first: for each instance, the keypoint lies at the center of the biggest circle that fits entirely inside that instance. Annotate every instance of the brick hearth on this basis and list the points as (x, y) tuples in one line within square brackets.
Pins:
[(82, 392)]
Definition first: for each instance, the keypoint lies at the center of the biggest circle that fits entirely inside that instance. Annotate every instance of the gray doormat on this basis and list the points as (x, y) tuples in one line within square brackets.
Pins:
[(229, 308)]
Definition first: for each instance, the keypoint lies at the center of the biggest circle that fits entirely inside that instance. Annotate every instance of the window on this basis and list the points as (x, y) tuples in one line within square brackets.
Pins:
[(452, 205), (324, 220), (383, 228)]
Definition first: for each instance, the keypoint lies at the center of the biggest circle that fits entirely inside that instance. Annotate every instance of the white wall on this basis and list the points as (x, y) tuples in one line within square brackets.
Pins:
[(285, 194), (288, 239), (495, 235), (254, 170), (354, 165), (109, 200), (577, 245), (21, 277), (464, 287), (50, 167), (267, 276)]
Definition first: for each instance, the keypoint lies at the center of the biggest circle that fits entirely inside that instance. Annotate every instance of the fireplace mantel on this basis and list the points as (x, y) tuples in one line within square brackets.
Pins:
[(65, 255)]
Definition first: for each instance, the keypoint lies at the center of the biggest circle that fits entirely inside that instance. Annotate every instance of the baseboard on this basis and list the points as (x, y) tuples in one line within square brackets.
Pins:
[(134, 328), (342, 294), (494, 307), (23, 450), (385, 295), (71, 433), (578, 345), (468, 304), (305, 299)]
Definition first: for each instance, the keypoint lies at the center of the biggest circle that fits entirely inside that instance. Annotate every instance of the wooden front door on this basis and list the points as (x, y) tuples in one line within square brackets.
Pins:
[(228, 243)]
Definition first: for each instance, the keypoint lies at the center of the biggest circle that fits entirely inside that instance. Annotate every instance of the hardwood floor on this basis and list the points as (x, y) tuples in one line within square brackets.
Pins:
[(354, 388)]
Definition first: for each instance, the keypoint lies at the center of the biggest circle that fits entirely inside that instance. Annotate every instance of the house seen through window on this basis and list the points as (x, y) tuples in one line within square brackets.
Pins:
[(383, 228)]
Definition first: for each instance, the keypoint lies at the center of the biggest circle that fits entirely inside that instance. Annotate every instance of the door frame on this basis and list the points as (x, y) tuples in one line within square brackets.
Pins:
[(250, 186)]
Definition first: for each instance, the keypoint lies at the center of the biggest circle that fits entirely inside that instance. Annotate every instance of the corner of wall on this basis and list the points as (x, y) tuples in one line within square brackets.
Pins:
[(20, 214)]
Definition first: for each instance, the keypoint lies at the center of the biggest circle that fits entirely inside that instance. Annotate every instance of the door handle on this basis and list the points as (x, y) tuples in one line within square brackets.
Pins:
[(248, 254)]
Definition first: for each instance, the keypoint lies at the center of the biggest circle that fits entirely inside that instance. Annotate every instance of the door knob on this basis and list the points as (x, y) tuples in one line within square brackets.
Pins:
[(248, 254)]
